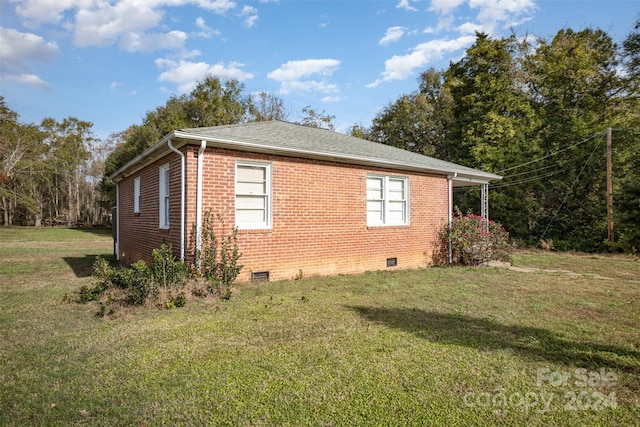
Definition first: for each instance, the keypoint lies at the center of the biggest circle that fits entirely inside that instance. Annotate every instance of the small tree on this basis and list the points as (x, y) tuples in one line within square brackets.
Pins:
[(218, 256), (167, 270)]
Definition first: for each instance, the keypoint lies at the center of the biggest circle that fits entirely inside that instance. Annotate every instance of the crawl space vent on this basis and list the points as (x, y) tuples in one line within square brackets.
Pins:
[(260, 276), (392, 262)]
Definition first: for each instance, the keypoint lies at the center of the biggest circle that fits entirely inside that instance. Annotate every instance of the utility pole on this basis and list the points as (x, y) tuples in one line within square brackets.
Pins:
[(609, 186)]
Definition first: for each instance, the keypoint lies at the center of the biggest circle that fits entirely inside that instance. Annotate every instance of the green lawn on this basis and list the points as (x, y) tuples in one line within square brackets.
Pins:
[(441, 346)]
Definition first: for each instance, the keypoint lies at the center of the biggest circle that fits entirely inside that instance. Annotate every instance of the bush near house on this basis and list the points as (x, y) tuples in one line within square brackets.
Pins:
[(139, 282), (476, 240), (168, 278), (216, 260)]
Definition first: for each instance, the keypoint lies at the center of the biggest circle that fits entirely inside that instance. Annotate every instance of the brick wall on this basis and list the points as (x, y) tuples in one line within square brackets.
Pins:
[(319, 223), (140, 233)]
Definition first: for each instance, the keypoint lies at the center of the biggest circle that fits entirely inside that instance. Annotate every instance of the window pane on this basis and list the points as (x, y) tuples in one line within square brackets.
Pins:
[(396, 184), (250, 202), (374, 183), (374, 194), (374, 217), (251, 188), (374, 206), (251, 173), (136, 195), (164, 196), (396, 211), (165, 181), (253, 216), (396, 189)]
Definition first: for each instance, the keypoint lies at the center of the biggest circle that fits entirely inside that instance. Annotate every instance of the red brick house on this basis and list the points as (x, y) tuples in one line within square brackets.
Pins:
[(304, 199)]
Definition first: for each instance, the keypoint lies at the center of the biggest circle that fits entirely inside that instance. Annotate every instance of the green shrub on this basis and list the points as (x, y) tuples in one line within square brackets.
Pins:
[(88, 293), (102, 270), (139, 283), (167, 270), (217, 259), (179, 301), (476, 241)]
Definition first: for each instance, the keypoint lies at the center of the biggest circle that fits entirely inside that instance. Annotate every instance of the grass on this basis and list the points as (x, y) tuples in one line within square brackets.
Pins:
[(441, 346)]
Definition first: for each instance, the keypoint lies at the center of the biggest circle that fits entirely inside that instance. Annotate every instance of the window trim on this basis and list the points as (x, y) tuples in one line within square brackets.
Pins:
[(268, 205), (136, 195), (164, 199), (386, 200)]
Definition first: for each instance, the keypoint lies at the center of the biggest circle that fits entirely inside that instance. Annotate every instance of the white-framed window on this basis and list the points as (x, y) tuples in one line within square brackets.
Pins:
[(164, 196), (136, 195), (253, 195), (387, 200)]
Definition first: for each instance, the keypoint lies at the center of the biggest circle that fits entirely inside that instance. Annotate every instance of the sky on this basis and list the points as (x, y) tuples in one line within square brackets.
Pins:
[(111, 61)]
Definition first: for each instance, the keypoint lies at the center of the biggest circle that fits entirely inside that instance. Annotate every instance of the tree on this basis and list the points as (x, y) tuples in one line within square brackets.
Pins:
[(494, 126), (316, 119), (69, 143), (419, 121), (575, 88), (627, 148), (631, 55), (268, 107), (20, 161), (210, 103)]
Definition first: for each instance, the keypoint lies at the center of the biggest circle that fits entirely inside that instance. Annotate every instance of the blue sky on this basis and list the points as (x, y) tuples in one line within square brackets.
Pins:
[(110, 61)]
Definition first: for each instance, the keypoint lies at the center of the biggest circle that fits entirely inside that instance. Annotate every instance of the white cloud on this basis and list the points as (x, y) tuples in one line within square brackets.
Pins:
[(107, 22), (104, 25), (406, 5), (401, 67), (186, 74), (250, 14), (18, 50), (292, 76), (393, 34), (445, 6), (471, 28), (294, 70), (205, 32), (45, 11), (491, 15), (149, 42), (331, 99), (501, 10), (115, 85), (30, 80), (218, 6)]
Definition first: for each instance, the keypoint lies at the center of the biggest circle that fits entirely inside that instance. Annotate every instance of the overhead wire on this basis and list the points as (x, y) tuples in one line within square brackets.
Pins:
[(525, 179), (551, 154), (571, 189)]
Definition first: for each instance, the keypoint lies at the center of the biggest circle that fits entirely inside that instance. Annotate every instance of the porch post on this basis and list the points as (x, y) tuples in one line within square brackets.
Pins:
[(484, 204), (450, 214)]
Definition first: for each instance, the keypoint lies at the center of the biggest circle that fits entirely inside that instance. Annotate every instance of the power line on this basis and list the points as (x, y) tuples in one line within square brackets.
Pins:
[(531, 171), (570, 189), (529, 179), (552, 154)]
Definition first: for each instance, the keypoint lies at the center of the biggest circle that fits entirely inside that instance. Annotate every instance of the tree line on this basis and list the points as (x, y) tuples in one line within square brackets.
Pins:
[(529, 109), (534, 111)]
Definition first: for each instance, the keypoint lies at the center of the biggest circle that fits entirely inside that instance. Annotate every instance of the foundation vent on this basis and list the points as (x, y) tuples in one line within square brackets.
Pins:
[(259, 276)]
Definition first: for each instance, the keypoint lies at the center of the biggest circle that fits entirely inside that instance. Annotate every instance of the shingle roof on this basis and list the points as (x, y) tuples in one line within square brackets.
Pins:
[(313, 142), (283, 138)]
